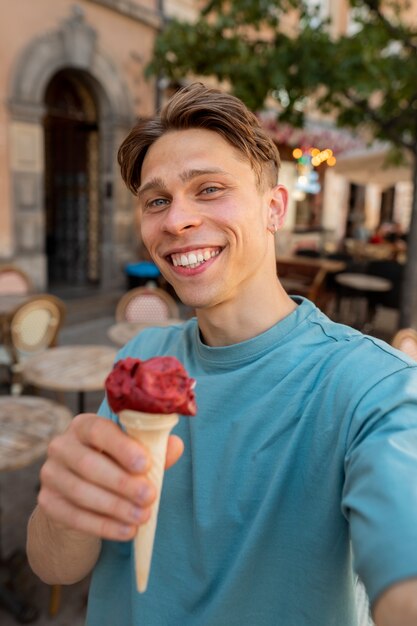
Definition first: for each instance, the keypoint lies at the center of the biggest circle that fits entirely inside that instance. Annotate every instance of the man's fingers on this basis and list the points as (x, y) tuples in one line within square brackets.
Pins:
[(107, 436), (57, 479), (175, 449), (97, 468), (62, 512)]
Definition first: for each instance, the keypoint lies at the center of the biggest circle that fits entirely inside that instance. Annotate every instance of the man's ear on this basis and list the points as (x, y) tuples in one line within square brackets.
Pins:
[(277, 208)]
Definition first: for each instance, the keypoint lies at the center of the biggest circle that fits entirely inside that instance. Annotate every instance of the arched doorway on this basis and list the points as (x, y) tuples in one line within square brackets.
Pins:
[(72, 224), (70, 51)]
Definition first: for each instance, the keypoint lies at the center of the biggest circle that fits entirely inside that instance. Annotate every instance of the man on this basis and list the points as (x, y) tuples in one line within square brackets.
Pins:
[(305, 441)]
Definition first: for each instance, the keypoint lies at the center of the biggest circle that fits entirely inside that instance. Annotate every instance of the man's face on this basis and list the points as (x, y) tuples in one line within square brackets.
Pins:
[(203, 218)]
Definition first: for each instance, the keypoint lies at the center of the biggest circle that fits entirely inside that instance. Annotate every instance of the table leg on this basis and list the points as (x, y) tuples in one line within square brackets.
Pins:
[(81, 402)]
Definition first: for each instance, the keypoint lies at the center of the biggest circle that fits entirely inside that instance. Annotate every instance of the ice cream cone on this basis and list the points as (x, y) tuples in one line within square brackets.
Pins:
[(151, 429)]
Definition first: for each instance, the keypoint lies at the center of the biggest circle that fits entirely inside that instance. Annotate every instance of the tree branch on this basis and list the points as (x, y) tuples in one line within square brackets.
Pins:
[(388, 127), (399, 33)]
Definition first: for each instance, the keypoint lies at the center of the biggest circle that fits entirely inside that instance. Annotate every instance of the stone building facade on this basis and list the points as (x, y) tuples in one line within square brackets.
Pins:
[(71, 85)]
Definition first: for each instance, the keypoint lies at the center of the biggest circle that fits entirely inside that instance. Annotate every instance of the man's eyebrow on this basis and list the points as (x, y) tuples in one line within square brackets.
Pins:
[(158, 183), (154, 183)]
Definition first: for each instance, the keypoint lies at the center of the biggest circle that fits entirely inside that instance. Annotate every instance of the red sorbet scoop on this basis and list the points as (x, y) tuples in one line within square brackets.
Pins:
[(158, 385)]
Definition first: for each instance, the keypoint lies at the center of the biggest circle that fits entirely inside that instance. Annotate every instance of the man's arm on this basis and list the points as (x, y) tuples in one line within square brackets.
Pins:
[(379, 496), (71, 555), (397, 606)]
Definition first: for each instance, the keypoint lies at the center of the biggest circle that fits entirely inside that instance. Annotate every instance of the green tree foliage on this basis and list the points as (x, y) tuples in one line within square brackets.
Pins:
[(285, 50)]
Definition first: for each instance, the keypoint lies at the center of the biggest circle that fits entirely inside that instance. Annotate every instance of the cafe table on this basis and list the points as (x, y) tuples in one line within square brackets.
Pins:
[(79, 369), (122, 332), (363, 282), (27, 424)]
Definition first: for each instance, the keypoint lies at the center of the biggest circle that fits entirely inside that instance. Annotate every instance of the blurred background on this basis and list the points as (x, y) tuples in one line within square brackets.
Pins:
[(332, 82)]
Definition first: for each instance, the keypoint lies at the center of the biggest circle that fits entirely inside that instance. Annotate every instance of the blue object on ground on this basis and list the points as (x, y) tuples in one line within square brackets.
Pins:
[(143, 269), (141, 273)]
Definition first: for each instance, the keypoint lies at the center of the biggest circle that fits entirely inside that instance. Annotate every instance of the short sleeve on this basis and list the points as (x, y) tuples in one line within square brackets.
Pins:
[(105, 411), (380, 489)]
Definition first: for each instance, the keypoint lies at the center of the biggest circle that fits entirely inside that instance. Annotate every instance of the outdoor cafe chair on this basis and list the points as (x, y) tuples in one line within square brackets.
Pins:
[(146, 304), (34, 326), (406, 341), (14, 281)]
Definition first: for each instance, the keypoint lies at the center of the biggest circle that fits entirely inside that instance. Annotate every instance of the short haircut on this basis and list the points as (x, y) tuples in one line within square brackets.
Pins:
[(198, 106)]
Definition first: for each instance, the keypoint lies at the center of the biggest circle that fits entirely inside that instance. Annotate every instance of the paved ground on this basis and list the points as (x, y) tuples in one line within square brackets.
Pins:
[(87, 322)]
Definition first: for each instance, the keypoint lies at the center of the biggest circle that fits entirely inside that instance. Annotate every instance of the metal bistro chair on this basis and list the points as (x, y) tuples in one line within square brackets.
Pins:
[(34, 327), (406, 341), (14, 281), (146, 304)]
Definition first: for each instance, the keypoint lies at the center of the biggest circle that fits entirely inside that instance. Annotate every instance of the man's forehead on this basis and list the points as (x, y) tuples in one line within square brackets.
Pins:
[(188, 153), (203, 144)]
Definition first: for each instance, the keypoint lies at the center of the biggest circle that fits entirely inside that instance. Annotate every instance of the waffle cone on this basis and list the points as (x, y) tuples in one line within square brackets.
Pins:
[(151, 429)]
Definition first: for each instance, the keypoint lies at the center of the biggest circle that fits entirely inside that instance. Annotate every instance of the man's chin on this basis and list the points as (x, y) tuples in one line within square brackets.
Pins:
[(191, 300), (196, 296)]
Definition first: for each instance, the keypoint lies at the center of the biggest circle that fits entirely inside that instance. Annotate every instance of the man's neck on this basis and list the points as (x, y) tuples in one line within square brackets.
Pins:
[(237, 321)]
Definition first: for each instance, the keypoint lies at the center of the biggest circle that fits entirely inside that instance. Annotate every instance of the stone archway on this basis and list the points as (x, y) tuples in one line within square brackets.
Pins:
[(74, 46)]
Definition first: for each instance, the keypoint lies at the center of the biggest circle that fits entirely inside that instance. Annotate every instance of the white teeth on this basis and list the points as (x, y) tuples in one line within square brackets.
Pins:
[(193, 259)]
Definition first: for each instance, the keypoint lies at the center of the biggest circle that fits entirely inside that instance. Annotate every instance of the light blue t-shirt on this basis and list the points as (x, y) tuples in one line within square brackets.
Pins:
[(304, 444)]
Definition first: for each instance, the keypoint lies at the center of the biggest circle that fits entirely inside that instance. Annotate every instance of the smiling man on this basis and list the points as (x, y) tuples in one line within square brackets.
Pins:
[(304, 447)]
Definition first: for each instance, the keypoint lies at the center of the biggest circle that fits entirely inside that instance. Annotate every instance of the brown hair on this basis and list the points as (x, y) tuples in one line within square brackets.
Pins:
[(197, 106)]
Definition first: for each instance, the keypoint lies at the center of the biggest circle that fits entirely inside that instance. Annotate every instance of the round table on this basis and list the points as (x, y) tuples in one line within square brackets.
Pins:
[(70, 368), (363, 282), (122, 332), (27, 425)]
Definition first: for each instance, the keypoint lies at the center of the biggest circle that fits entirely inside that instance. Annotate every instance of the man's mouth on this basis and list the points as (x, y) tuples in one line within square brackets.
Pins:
[(193, 258)]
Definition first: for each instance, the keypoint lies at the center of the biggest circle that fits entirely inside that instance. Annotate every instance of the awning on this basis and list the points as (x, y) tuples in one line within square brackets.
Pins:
[(359, 163), (370, 167)]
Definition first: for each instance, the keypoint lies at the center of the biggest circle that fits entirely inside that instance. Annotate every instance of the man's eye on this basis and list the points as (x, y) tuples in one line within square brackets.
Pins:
[(210, 189), (156, 203)]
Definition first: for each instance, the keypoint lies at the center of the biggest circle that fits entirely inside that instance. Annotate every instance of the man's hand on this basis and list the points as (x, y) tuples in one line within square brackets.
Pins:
[(397, 606), (95, 479)]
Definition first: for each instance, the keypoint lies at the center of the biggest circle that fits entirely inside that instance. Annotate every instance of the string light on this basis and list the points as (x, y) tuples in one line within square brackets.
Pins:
[(314, 156)]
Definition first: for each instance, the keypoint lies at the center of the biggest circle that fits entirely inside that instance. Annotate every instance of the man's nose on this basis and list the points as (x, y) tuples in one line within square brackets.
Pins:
[(182, 214)]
